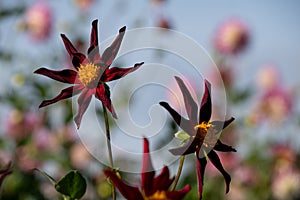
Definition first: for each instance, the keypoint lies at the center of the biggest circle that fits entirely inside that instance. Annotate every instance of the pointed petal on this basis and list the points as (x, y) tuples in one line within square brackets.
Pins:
[(116, 73), (76, 57), (162, 181), (83, 103), (129, 192), (223, 147), (65, 76), (190, 105), (147, 170), (110, 53), (64, 94), (180, 121), (205, 108), (179, 194), (220, 125), (103, 94), (68, 44), (214, 158), (93, 50), (188, 148), (200, 168)]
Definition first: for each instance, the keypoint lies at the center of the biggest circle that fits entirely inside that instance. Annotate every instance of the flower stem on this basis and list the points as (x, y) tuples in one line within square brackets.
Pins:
[(178, 172), (110, 157)]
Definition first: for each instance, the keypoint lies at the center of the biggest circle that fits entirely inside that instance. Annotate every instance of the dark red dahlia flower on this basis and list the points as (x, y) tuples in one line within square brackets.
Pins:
[(202, 133), (152, 188), (91, 73)]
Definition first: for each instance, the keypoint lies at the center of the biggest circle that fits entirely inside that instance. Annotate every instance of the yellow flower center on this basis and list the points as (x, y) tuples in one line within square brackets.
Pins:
[(89, 74), (208, 140), (158, 195), (204, 126)]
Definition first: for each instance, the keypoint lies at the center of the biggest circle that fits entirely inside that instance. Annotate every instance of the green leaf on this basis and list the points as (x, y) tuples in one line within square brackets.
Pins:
[(72, 185), (181, 135)]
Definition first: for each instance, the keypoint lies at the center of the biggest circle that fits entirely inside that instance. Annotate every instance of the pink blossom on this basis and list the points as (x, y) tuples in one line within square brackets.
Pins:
[(232, 37), (20, 125), (268, 77), (84, 5), (286, 184), (38, 20)]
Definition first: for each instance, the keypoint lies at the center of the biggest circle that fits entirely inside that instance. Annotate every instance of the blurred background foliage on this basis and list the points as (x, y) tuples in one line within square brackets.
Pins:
[(256, 48)]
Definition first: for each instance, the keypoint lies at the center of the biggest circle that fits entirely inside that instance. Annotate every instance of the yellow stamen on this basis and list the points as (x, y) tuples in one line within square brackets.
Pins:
[(158, 195), (204, 126), (89, 74)]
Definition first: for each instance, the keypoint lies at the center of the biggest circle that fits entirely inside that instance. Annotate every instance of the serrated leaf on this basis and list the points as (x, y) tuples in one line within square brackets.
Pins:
[(72, 185), (181, 135)]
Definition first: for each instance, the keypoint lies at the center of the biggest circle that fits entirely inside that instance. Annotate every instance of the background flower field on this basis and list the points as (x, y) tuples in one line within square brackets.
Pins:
[(254, 45)]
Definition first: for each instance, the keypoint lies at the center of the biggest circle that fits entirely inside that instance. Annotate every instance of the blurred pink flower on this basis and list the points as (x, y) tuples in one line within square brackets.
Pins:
[(65, 134), (277, 104), (164, 23), (38, 20), (84, 5), (46, 141), (246, 175), (268, 77), (274, 106), (284, 154), (20, 125), (79, 156), (27, 158), (232, 37), (286, 184)]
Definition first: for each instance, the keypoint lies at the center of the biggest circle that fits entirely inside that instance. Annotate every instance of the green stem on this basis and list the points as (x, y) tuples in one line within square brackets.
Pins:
[(178, 172), (110, 157)]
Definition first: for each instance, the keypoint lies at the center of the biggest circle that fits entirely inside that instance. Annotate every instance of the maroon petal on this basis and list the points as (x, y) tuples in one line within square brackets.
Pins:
[(64, 94), (65, 76), (76, 57), (162, 181), (190, 105), (110, 53), (214, 158), (200, 168), (116, 73), (93, 50), (179, 194), (103, 94), (5, 172), (188, 148), (223, 147), (180, 121), (220, 125), (129, 192), (205, 108), (83, 103), (147, 170), (68, 44)]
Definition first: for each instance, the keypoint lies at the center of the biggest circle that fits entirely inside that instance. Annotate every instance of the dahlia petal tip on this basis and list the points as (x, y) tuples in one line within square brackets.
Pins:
[(123, 29), (95, 21), (38, 70)]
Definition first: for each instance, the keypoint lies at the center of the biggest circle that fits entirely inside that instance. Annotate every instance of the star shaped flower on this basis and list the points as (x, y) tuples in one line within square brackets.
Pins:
[(152, 188), (90, 74), (201, 134)]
